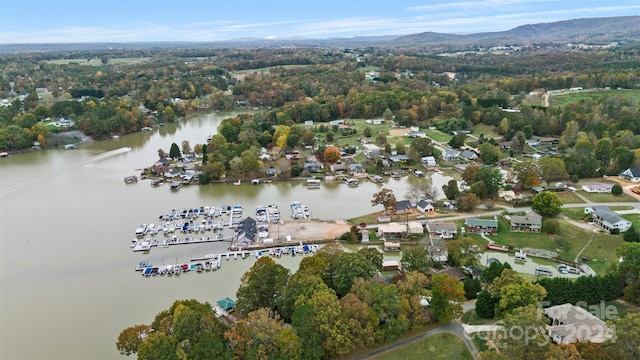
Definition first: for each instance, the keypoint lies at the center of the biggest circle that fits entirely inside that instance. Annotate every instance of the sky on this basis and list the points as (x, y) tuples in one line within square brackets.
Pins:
[(74, 21)]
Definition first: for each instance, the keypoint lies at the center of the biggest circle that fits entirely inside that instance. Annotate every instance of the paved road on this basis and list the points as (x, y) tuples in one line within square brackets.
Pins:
[(453, 327)]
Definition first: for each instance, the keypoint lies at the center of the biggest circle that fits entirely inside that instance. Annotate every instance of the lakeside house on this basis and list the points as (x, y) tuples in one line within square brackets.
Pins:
[(442, 230), (486, 226), (570, 324), (391, 246), (392, 230), (450, 154), (531, 222), (425, 205), (428, 161), (403, 206), (604, 218), (338, 168)]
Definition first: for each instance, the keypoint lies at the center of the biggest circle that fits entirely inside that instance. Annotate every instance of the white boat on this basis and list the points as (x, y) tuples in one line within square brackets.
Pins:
[(115, 137), (141, 229), (70, 146)]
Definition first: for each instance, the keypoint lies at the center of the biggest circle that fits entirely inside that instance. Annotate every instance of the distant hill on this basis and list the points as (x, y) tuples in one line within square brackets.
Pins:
[(586, 31), (594, 31)]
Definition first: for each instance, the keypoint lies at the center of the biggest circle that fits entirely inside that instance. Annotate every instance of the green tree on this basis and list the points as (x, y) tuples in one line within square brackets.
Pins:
[(210, 346), (472, 288), (374, 256), (461, 252), (627, 332), (386, 198), (416, 259), (493, 271), (421, 147), (631, 235), (261, 285), (604, 150), (360, 320), (366, 132), (451, 190), (552, 169), (616, 189), (447, 297), (400, 149), (158, 346), (530, 341), (489, 154), (485, 304), (527, 173), (347, 267), (546, 203), (174, 151), (130, 339), (330, 136)]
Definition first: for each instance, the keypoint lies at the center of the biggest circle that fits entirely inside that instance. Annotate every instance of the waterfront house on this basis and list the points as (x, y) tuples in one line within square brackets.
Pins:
[(338, 168), (531, 222), (597, 188), (442, 230), (403, 206), (450, 154), (246, 232), (487, 226), (392, 230), (570, 324), (425, 205), (604, 218), (399, 158), (631, 174), (391, 246), (272, 172), (356, 168), (428, 161)]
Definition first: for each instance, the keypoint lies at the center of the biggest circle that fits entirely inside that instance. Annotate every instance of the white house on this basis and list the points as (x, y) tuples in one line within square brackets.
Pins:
[(428, 161), (597, 188), (425, 205), (442, 230), (570, 324), (449, 154), (631, 174), (604, 218)]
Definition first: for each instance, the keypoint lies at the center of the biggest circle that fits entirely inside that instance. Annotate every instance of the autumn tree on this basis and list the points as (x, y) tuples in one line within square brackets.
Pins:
[(627, 332), (186, 147), (527, 173), (447, 298), (546, 203), (386, 198), (158, 346), (468, 202), (130, 339), (461, 252), (331, 154)]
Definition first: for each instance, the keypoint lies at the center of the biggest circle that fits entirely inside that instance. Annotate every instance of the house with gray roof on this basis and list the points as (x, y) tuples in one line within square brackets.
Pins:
[(450, 154), (487, 226), (530, 222), (631, 174), (570, 324), (469, 155), (442, 230), (403, 206), (604, 218)]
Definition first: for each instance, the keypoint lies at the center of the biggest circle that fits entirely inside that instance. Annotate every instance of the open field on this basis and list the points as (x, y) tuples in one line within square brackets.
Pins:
[(240, 74), (98, 62), (440, 346), (488, 131), (437, 135), (604, 198), (569, 97), (568, 197), (602, 251)]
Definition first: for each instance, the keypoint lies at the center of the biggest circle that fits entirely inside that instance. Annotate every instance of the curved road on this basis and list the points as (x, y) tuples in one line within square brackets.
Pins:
[(452, 327)]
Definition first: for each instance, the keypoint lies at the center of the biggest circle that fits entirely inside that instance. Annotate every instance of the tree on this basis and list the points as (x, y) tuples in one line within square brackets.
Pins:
[(331, 154), (468, 202), (158, 346), (451, 190), (552, 169), (528, 339), (485, 304), (489, 154), (546, 203), (186, 147), (604, 150), (627, 331), (400, 149), (472, 288), (386, 198), (563, 352), (457, 140), (346, 268), (416, 259), (421, 147), (493, 271), (470, 174), (447, 297), (330, 135), (260, 285), (174, 151), (421, 190), (631, 235), (461, 253), (374, 256), (616, 189), (130, 339), (527, 173)]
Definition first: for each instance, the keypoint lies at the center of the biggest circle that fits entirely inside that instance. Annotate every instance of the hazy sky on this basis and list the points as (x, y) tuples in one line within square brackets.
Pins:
[(55, 21)]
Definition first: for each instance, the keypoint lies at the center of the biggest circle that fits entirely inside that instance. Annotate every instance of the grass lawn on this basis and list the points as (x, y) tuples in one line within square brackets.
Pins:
[(604, 198), (440, 346), (437, 135), (602, 251), (488, 130), (634, 218), (566, 98), (471, 318), (578, 213), (568, 197)]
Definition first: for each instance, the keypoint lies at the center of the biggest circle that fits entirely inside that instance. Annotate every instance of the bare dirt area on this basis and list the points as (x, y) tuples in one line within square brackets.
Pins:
[(398, 132), (308, 230)]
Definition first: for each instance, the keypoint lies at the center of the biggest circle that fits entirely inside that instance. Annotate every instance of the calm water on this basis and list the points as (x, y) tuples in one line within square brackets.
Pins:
[(66, 218)]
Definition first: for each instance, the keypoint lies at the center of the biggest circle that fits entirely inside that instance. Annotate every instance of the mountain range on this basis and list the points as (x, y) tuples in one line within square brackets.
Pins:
[(593, 31)]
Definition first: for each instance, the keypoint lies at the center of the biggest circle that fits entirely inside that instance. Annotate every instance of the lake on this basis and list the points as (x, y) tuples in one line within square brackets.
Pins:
[(68, 285)]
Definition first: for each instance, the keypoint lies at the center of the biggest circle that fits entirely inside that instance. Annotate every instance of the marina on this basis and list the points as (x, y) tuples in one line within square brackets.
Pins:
[(299, 211)]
